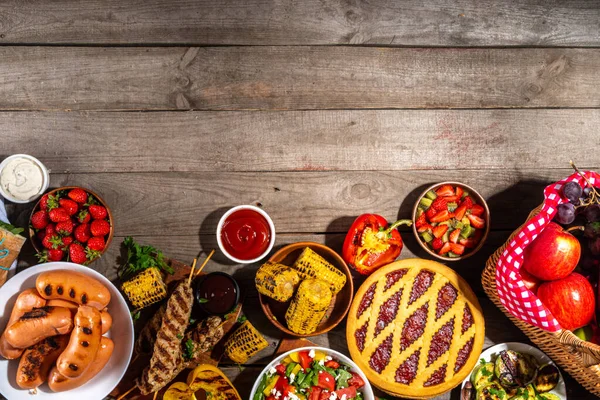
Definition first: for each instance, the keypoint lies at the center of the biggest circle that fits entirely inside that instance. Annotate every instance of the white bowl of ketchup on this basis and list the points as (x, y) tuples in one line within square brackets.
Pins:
[(245, 234)]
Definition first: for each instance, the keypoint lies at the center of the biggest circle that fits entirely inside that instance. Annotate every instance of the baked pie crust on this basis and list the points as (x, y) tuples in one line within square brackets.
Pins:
[(415, 328)]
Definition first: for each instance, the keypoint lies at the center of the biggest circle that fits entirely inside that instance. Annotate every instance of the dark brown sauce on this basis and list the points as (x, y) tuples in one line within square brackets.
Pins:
[(217, 294)]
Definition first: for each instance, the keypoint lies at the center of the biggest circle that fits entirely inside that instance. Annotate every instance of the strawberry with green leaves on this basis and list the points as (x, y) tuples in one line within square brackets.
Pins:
[(82, 233), (40, 219), (83, 217), (96, 243), (52, 241), (100, 227), (69, 205), (78, 195), (77, 253), (98, 212), (59, 215), (65, 228)]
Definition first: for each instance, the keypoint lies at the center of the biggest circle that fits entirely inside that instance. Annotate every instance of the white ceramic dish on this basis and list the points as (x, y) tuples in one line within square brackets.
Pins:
[(45, 178), (246, 207), (560, 390), (367, 389), (121, 332)]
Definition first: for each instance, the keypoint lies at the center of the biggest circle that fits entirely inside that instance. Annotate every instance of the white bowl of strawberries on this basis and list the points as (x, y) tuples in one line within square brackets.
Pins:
[(71, 224)]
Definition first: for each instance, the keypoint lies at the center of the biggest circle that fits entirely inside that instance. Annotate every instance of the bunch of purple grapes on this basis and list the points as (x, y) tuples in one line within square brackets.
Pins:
[(577, 196)]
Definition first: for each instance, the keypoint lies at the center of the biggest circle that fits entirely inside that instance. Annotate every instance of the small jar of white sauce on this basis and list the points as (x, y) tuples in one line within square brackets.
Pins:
[(23, 178)]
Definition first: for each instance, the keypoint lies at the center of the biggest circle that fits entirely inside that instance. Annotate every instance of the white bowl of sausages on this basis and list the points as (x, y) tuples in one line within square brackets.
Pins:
[(74, 321)]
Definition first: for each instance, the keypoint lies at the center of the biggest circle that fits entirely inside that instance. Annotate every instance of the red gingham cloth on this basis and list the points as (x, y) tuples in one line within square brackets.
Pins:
[(515, 297)]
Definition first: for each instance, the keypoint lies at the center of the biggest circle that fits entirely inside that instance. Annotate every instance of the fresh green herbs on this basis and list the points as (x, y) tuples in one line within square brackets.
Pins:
[(140, 258), (202, 300), (189, 349), (11, 228), (242, 319), (135, 315)]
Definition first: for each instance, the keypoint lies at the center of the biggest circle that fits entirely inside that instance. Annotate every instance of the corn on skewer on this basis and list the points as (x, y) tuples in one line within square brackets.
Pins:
[(276, 281), (244, 343), (308, 306), (311, 265), (145, 288)]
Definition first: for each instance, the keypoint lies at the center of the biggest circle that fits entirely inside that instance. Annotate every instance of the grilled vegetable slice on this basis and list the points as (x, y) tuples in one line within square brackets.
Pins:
[(311, 265), (276, 281), (145, 288), (547, 396), (482, 375), (526, 393), (244, 343), (308, 306), (547, 378), (514, 369), (493, 391), (179, 391), (210, 379)]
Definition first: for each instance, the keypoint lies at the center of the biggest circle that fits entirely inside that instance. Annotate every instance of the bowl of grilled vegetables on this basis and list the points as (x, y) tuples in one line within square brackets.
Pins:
[(305, 289), (514, 371)]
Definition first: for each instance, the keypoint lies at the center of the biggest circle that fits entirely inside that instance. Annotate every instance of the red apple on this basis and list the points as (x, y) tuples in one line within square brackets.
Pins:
[(554, 254), (570, 300), (531, 282)]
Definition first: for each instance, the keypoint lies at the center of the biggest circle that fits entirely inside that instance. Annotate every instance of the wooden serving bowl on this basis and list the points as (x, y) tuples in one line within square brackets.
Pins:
[(478, 198), (35, 240), (340, 303)]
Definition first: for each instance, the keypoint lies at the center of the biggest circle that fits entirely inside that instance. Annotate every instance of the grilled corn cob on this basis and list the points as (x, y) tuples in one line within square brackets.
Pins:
[(276, 281), (145, 288), (244, 343), (311, 265), (308, 306)]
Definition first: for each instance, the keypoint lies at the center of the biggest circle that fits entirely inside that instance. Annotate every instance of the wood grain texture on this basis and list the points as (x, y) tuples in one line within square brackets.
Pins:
[(287, 22), (290, 77), (303, 140)]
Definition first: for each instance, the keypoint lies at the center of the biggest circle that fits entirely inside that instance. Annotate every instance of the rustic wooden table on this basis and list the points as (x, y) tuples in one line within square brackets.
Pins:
[(315, 110)]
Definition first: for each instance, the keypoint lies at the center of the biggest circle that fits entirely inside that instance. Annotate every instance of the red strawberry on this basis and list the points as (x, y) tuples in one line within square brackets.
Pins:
[(420, 221), (457, 249), (55, 255), (77, 253), (437, 244), (69, 205), (460, 212), (440, 204), (430, 212), (445, 190), (452, 199), (467, 202), (98, 212), (52, 241), (459, 191), (476, 221), (96, 243), (83, 217), (59, 215), (39, 220), (442, 216), (64, 228), (445, 248), (67, 240), (438, 231), (51, 228), (78, 195), (424, 228), (44, 202), (454, 236), (100, 227), (52, 201), (468, 243), (477, 210), (82, 233)]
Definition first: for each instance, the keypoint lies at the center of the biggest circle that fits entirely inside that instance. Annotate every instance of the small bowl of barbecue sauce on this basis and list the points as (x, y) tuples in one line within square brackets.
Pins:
[(245, 234), (217, 293)]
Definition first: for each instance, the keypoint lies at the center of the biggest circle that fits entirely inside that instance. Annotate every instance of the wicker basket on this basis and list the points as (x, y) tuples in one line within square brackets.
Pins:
[(579, 358)]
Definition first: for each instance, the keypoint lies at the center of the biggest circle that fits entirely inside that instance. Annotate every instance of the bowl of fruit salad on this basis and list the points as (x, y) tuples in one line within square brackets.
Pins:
[(70, 224), (312, 373), (451, 221)]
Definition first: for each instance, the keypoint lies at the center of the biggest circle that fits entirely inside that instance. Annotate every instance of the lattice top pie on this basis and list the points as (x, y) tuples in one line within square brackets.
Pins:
[(415, 328)]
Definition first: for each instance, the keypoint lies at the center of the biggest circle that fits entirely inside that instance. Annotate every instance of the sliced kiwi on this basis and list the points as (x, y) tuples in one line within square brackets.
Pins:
[(425, 202), (431, 195), (427, 236)]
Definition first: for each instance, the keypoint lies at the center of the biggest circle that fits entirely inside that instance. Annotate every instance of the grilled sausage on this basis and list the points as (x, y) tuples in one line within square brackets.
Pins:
[(60, 383), (37, 361), (105, 316), (106, 321), (38, 324), (62, 303), (26, 301), (72, 286), (83, 344)]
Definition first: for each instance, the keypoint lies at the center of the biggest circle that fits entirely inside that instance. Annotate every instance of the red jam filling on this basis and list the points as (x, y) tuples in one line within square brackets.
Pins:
[(388, 311), (407, 371), (440, 343), (381, 356), (360, 335), (437, 377), (446, 298), (414, 326), (463, 355), (422, 282), (394, 277), (467, 320), (366, 300)]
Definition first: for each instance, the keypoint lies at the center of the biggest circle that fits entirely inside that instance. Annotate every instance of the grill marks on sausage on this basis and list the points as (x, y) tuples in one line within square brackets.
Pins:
[(72, 293), (84, 299), (37, 313), (366, 300), (73, 367), (48, 290), (421, 283), (86, 330), (85, 343)]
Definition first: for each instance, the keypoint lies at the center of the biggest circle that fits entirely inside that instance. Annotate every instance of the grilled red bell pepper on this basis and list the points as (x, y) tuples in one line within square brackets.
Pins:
[(371, 243)]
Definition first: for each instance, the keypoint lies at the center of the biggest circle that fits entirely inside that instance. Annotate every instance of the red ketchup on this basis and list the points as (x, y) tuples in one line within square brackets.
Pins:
[(245, 234)]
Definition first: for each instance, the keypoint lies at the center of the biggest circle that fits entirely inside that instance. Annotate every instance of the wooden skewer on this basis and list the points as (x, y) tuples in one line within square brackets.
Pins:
[(135, 358), (192, 271), (155, 394), (205, 261), (126, 393)]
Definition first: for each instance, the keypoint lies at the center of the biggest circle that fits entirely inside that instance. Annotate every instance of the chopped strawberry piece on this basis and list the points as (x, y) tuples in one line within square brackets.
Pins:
[(445, 190), (452, 199), (468, 202), (445, 248), (442, 216), (454, 236), (457, 248), (438, 231), (469, 243), (460, 212), (437, 244), (430, 212), (459, 191), (439, 204), (421, 221), (476, 222), (424, 228), (477, 210)]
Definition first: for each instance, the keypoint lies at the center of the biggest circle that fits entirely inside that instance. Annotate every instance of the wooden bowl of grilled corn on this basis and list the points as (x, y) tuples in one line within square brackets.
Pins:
[(302, 315)]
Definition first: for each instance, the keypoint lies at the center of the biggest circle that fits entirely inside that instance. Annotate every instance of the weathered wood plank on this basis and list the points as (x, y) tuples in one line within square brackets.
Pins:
[(323, 140), (268, 22), (290, 77)]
